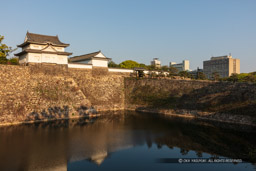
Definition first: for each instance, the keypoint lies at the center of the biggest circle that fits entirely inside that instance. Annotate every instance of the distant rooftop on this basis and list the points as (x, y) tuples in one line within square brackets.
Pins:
[(221, 57)]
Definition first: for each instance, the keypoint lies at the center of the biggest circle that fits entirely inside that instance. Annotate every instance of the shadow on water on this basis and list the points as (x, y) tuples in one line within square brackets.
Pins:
[(52, 145)]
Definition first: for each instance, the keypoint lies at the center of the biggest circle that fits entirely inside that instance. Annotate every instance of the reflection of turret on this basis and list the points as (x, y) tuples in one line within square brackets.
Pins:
[(99, 157)]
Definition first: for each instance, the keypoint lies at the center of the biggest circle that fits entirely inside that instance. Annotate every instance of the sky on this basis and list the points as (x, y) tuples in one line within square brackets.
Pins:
[(140, 30)]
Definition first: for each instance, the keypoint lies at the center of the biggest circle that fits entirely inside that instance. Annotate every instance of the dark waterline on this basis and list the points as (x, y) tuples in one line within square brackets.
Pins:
[(125, 141)]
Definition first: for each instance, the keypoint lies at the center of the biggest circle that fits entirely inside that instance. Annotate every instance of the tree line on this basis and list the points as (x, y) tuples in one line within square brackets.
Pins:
[(172, 71)]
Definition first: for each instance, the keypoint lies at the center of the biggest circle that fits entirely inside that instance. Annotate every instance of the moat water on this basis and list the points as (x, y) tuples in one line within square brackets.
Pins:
[(128, 141)]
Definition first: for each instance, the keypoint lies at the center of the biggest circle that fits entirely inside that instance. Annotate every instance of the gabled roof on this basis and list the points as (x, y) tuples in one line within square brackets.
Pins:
[(42, 39), (87, 57)]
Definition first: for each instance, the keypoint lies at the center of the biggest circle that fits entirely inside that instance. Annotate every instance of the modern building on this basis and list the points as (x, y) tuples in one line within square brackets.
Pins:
[(223, 65), (39, 48), (156, 63), (96, 59), (184, 66)]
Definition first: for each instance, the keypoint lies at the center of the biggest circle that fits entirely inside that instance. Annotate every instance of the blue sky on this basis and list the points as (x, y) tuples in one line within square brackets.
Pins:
[(140, 30)]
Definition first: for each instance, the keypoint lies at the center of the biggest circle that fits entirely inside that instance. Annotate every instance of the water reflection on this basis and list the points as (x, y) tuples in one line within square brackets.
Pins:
[(55, 145)]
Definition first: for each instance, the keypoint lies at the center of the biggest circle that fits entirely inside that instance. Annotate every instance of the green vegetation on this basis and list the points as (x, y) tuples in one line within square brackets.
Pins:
[(243, 77), (201, 76), (13, 61), (185, 74), (4, 52), (129, 64), (173, 71), (112, 64)]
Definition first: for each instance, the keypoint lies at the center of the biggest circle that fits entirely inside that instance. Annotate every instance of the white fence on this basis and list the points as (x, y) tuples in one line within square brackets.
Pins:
[(120, 70), (82, 66)]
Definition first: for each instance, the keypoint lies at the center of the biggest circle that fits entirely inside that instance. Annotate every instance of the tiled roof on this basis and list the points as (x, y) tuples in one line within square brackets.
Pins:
[(42, 39), (86, 56)]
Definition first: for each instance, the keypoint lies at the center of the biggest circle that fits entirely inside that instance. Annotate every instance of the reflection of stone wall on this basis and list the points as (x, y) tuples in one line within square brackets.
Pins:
[(49, 146)]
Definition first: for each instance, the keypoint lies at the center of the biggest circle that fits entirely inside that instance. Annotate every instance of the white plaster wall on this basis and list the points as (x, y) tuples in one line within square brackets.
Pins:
[(120, 70), (80, 66), (62, 59), (35, 46), (100, 55), (99, 63), (34, 57), (47, 58)]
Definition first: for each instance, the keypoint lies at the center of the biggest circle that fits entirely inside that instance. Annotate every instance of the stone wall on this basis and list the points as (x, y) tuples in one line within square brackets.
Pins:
[(42, 92), (103, 89), (225, 97), (39, 92)]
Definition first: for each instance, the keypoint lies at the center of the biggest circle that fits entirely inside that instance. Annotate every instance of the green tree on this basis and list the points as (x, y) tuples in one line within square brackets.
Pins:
[(129, 64), (150, 67), (201, 76), (143, 65), (215, 76), (233, 77), (112, 64), (185, 74), (4, 51), (173, 71), (165, 68), (250, 78), (14, 61)]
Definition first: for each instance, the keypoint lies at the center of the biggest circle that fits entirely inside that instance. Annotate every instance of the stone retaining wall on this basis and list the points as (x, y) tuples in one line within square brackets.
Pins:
[(39, 92), (221, 97)]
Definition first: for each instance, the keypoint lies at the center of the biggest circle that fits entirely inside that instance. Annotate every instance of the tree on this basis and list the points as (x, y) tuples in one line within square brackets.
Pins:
[(150, 67), (201, 76), (129, 64), (233, 77), (165, 68), (250, 78), (112, 64), (4, 51), (141, 65), (253, 73), (215, 76), (14, 61), (173, 71), (185, 74)]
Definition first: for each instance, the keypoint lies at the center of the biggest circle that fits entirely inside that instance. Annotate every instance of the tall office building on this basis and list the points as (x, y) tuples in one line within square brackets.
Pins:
[(225, 66), (184, 66)]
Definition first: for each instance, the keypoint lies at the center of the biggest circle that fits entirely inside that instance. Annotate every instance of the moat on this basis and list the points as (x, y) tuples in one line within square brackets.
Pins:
[(126, 140)]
